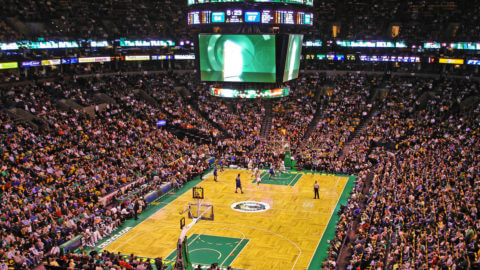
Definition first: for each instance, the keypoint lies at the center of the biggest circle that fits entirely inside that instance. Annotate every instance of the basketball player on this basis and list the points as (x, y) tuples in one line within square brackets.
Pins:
[(221, 164), (254, 173), (316, 186), (259, 179), (272, 172), (238, 184), (215, 174), (315, 162), (250, 164), (282, 167)]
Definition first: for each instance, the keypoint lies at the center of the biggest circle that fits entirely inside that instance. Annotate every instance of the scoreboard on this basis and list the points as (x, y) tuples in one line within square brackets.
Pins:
[(298, 2), (239, 15), (249, 48)]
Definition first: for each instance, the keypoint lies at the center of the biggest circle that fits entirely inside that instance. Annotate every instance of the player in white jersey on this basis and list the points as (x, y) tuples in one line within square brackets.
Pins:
[(255, 173), (259, 179), (250, 165), (282, 167)]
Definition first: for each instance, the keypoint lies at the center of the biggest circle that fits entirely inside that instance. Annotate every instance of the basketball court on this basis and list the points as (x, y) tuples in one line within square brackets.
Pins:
[(274, 225), (283, 179)]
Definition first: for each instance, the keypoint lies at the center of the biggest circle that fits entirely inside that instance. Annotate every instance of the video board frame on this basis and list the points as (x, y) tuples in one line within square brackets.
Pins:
[(237, 15), (288, 2)]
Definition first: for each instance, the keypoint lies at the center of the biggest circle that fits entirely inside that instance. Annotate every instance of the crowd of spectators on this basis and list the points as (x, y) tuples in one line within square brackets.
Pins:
[(415, 203), (420, 209), (52, 178), (99, 20), (7, 33), (417, 20), (241, 120), (356, 19), (172, 94), (293, 114), (343, 105), (416, 156)]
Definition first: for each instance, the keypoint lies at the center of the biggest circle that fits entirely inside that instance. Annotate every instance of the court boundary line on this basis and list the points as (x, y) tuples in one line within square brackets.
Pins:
[(195, 239), (281, 209), (265, 230), (301, 173), (296, 180), (219, 252), (280, 178), (154, 229), (255, 189), (178, 193), (137, 234), (239, 243), (227, 229), (244, 237), (239, 253), (331, 215)]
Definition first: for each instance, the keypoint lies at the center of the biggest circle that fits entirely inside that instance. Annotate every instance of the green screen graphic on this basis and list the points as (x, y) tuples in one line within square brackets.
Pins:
[(292, 63), (237, 58)]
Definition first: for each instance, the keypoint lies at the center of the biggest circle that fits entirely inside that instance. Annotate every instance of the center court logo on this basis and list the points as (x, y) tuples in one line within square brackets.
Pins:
[(250, 207)]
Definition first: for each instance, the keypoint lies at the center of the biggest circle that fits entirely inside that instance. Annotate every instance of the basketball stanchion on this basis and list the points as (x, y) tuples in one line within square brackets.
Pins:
[(196, 211)]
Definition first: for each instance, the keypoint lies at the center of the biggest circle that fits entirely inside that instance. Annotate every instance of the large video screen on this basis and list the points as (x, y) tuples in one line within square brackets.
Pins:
[(237, 58), (292, 62)]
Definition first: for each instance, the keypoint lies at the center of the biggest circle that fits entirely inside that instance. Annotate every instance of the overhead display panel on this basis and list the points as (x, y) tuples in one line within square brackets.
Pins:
[(238, 15), (206, 17), (453, 61), (252, 16), (194, 17), (432, 45), (250, 93), (31, 64), (267, 17), (146, 43), (284, 17), (99, 44), (162, 57), (304, 18), (218, 17), (8, 65), (195, 2), (474, 62), (234, 16), (51, 62), (475, 46), (67, 61), (297, 2), (9, 46), (292, 63), (137, 57), (237, 58), (370, 44), (94, 59), (389, 58)]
